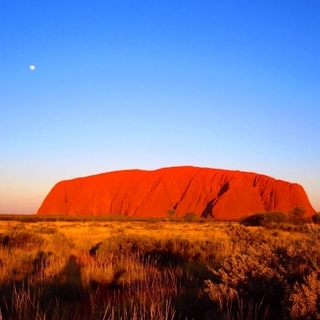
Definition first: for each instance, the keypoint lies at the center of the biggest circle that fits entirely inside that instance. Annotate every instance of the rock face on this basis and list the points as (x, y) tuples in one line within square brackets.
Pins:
[(222, 194)]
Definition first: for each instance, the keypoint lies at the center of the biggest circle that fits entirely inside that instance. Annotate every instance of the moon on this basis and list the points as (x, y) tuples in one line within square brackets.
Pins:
[(32, 67)]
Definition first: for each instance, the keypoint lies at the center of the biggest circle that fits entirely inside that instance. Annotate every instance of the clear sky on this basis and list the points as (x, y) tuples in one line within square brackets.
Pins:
[(151, 84)]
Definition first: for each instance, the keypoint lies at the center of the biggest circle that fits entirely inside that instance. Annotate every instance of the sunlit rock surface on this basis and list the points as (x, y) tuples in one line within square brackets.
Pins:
[(222, 194)]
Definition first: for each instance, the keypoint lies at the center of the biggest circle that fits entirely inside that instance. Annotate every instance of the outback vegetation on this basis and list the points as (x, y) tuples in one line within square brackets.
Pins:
[(262, 267)]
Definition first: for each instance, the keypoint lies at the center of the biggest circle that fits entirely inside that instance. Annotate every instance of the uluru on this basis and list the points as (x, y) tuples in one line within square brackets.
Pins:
[(221, 194)]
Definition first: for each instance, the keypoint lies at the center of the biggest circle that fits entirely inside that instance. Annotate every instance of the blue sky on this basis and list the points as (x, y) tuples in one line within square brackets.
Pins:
[(150, 84)]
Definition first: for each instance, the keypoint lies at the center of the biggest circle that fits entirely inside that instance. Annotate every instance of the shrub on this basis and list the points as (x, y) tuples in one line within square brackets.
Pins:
[(190, 216), (263, 219), (285, 277), (316, 218), (304, 298), (21, 239), (297, 215), (141, 248), (113, 248), (242, 236), (276, 217), (172, 214), (256, 219)]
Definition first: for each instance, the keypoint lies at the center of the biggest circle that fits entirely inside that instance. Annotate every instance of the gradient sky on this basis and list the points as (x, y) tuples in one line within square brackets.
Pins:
[(150, 84)]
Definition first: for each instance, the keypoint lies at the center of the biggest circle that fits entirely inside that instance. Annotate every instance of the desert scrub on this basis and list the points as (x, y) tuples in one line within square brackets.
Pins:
[(316, 218), (283, 277), (243, 237), (21, 239), (304, 298), (173, 250), (16, 266), (123, 271), (264, 219), (205, 251), (116, 246), (59, 243)]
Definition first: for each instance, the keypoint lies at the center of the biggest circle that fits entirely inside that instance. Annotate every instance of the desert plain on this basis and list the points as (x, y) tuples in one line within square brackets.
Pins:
[(117, 267)]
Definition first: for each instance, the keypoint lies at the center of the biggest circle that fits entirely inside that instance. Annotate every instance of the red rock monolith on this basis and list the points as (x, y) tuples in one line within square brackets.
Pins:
[(222, 194)]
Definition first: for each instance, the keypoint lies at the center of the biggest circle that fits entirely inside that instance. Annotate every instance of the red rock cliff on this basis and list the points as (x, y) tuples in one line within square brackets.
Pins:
[(222, 194)]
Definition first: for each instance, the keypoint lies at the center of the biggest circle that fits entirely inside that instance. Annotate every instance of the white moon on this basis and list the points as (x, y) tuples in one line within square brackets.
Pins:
[(32, 67)]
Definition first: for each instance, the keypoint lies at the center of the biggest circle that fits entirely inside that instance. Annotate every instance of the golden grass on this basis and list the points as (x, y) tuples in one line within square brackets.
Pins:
[(162, 273), (77, 238)]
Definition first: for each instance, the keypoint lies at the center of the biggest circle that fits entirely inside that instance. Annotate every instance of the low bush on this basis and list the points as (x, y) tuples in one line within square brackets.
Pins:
[(21, 239), (190, 216), (297, 215), (263, 219), (113, 248), (253, 220), (276, 217), (284, 279), (316, 218), (139, 247), (243, 237)]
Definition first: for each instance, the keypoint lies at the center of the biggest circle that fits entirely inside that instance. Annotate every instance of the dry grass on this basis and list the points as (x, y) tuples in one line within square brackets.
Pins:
[(87, 269)]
